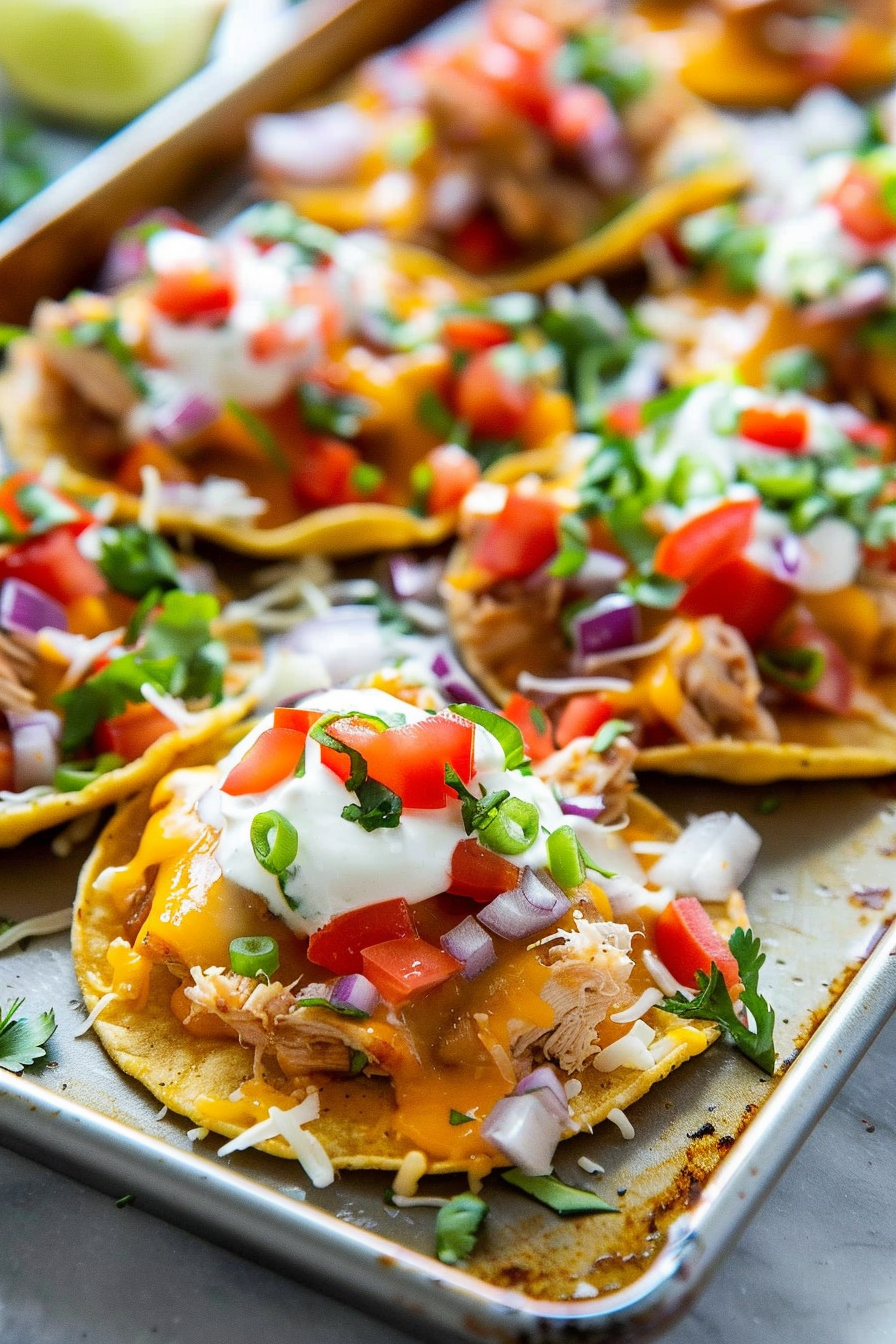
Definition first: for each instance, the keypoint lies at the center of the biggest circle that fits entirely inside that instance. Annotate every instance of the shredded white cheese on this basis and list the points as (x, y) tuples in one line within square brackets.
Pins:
[(663, 977), (160, 1114), (407, 1177), (641, 1005), (629, 1052), (150, 499), (39, 926), (174, 710), (287, 1125), (593, 1168), (198, 1134), (418, 1201), (74, 833), (583, 1289), (622, 1122), (100, 1007)]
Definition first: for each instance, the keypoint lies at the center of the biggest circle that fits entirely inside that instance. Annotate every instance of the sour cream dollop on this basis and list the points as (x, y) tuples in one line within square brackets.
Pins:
[(340, 866)]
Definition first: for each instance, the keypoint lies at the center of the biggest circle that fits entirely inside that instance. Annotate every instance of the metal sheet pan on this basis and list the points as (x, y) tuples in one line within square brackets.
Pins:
[(689, 1181), (696, 1169)]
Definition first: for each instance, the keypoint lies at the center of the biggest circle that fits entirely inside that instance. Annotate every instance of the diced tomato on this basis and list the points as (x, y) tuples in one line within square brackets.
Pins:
[(273, 756), (20, 521), (787, 430), (836, 687), (521, 538), (299, 720), (479, 873), (624, 418), (339, 944), (147, 453), (860, 203), (54, 564), (410, 760), (493, 403), (468, 333), (7, 764), (687, 942), (582, 716), (516, 77), (406, 967), (481, 245), (269, 341), (707, 540), (576, 110), (744, 595), (131, 734), (193, 296), (534, 725), (454, 472), (323, 476)]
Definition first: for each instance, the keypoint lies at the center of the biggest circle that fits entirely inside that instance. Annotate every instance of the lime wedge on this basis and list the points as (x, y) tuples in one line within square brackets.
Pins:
[(100, 62)]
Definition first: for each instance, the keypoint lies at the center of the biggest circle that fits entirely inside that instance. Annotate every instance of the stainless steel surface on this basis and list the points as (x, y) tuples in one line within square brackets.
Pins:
[(84, 1118)]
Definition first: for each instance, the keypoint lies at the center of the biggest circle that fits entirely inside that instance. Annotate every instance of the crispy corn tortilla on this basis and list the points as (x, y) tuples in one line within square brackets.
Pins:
[(36, 430), (184, 1071), (18, 820), (813, 745)]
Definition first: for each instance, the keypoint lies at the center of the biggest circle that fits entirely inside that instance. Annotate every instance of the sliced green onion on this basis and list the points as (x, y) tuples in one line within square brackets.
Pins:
[(797, 369), (73, 778), (358, 1062), (507, 733), (565, 858), (796, 670), (589, 862), (260, 432), (457, 1226), (607, 734), (513, 828), (254, 957), (366, 478), (807, 512), (781, 480), (275, 841), (556, 1194)]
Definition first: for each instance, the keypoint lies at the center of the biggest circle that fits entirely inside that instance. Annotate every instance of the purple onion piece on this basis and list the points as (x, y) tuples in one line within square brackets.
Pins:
[(349, 640), (27, 718), (413, 578), (182, 417), (549, 1089), (355, 991), (525, 1131), (526, 909), (454, 683), (600, 573), (790, 555), (585, 805), (613, 622), (24, 609), (468, 942), (198, 577), (126, 259)]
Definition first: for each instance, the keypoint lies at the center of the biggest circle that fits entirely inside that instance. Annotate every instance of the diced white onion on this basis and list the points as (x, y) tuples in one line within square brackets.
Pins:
[(711, 857), (831, 557)]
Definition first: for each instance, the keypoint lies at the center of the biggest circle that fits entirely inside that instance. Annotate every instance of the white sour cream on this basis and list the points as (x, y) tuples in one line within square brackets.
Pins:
[(339, 865)]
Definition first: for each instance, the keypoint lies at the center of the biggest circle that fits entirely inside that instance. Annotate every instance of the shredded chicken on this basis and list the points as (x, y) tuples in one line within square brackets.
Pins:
[(579, 770), (722, 687), (590, 967), (16, 667), (880, 585), (93, 372), (510, 629), (272, 1020)]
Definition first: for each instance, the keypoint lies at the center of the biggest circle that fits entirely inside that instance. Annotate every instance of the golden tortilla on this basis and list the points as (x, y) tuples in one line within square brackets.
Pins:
[(184, 1072)]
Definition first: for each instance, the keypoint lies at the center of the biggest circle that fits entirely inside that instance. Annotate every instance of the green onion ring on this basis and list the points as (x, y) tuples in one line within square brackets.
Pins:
[(275, 841), (254, 956), (513, 828), (565, 858)]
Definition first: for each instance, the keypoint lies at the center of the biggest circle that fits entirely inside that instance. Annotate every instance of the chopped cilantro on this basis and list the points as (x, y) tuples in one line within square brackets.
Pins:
[(22, 1038), (344, 1009), (766, 806), (607, 734), (261, 433), (378, 807), (458, 1117), (573, 547), (332, 412), (713, 1003), (105, 334), (136, 561)]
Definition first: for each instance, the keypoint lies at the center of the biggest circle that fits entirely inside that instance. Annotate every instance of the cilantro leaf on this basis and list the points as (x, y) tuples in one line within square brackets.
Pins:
[(458, 1117), (332, 412), (607, 734), (457, 1226), (344, 1009), (182, 630), (135, 561), (562, 1198), (377, 808), (21, 1038), (108, 693), (713, 1003), (476, 813)]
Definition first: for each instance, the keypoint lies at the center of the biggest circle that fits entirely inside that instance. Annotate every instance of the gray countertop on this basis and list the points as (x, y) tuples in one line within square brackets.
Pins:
[(814, 1267)]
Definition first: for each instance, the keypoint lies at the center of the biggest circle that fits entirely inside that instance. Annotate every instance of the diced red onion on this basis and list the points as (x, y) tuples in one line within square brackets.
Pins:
[(549, 1089), (393, 75), (349, 640), (183, 417), (525, 1131), (24, 609), (27, 718), (320, 147), (198, 577), (613, 622), (865, 292), (830, 557), (628, 653), (710, 859), (355, 991), (35, 755), (415, 578), (589, 805), (600, 572), (606, 157), (126, 259), (454, 683), (468, 942), (528, 908), (789, 553)]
